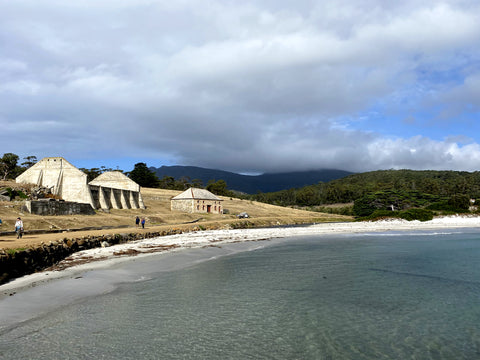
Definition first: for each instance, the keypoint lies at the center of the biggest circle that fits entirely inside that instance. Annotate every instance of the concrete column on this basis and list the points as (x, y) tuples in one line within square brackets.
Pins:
[(133, 200), (40, 178), (141, 205), (124, 199), (113, 199), (102, 198), (58, 186), (108, 193)]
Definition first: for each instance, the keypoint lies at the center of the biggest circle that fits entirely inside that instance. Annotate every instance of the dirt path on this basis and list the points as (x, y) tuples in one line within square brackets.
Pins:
[(32, 240)]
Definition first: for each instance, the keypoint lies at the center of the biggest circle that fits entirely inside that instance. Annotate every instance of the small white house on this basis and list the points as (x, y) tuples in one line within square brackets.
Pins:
[(196, 200)]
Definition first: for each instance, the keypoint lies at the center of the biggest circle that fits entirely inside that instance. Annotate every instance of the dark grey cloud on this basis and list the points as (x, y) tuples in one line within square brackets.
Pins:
[(253, 86)]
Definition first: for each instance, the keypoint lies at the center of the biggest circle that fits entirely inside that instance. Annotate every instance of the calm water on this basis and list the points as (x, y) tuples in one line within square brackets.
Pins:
[(383, 296)]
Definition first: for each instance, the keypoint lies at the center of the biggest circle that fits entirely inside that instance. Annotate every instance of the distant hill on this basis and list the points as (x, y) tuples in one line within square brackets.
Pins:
[(252, 184)]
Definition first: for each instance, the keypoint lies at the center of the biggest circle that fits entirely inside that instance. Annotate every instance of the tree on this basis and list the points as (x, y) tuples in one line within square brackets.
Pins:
[(8, 166), (29, 161), (218, 188), (95, 172), (460, 202), (197, 183), (143, 176), (167, 182), (91, 173)]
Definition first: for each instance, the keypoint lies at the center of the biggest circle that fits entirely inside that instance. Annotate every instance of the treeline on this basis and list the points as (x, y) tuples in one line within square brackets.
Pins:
[(356, 186)]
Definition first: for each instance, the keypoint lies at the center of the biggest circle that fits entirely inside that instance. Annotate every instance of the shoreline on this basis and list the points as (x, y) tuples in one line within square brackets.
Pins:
[(104, 257)]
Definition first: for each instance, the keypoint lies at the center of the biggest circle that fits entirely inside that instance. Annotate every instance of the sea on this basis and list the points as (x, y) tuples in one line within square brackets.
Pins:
[(392, 295)]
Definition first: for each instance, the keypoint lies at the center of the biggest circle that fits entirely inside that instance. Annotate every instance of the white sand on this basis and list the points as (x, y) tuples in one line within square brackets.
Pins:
[(86, 260)]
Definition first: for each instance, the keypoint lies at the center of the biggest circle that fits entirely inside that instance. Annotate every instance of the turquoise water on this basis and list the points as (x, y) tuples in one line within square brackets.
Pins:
[(377, 296)]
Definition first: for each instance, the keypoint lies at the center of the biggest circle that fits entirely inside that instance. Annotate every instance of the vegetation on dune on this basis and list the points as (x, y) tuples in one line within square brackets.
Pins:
[(401, 200), (411, 214), (353, 187), (387, 190)]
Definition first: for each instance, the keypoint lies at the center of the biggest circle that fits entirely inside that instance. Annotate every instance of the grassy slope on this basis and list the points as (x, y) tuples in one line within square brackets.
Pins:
[(158, 212)]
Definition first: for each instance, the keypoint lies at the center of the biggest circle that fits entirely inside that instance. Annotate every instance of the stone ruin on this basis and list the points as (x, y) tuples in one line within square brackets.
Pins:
[(56, 178)]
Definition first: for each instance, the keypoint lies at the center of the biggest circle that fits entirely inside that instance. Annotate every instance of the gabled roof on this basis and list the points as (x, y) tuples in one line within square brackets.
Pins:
[(198, 194)]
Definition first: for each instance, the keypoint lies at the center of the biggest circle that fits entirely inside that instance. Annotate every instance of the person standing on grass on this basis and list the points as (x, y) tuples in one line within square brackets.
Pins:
[(137, 221), (143, 223), (19, 228)]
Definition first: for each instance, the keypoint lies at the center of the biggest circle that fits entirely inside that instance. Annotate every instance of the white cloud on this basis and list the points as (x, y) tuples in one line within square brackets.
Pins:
[(423, 153)]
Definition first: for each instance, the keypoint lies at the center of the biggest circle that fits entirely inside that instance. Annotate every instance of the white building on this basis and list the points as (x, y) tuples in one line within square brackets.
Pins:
[(109, 190)]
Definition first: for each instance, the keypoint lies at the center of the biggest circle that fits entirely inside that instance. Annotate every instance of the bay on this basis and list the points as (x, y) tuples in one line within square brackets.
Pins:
[(394, 295)]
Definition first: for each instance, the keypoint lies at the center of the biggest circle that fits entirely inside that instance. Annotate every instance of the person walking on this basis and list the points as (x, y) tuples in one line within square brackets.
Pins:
[(137, 221), (19, 228), (143, 223)]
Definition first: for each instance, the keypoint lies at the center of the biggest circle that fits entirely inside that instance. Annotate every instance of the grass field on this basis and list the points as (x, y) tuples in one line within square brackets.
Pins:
[(157, 212)]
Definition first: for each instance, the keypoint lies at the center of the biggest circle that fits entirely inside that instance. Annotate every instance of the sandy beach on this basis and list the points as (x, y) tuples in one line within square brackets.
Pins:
[(106, 256)]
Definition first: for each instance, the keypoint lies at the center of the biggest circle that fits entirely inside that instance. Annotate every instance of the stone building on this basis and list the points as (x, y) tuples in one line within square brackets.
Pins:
[(113, 189), (66, 181), (196, 200), (109, 190)]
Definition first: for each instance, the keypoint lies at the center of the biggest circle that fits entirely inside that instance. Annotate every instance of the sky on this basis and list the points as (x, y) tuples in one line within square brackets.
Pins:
[(249, 86)]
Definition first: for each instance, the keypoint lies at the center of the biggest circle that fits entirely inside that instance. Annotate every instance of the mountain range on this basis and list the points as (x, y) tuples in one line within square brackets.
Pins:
[(252, 184)]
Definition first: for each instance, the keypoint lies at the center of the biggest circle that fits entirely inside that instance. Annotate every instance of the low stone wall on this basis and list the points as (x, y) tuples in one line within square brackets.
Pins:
[(57, 207)]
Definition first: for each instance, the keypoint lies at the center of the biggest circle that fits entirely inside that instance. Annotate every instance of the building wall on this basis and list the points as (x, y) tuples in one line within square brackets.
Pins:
[(184, 205), (108, 198), (56, 207), (197, 206)]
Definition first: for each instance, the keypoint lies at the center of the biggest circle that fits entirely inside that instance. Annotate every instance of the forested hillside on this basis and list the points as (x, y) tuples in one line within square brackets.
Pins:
[(249, 184), (409, 185)]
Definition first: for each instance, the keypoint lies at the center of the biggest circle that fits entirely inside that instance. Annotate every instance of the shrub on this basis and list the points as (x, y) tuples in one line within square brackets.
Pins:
[(379, 214), (448, 206), (411, 214), (416, 214)]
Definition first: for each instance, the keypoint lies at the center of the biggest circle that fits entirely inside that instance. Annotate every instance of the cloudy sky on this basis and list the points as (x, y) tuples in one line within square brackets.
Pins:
[(246, 86)]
